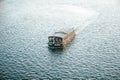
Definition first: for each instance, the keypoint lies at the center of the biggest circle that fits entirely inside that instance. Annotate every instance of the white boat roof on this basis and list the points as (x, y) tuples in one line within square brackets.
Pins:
[(62, 32)]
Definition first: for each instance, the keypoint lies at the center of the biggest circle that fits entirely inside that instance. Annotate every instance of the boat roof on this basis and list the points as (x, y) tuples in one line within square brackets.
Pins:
[(62, 32)]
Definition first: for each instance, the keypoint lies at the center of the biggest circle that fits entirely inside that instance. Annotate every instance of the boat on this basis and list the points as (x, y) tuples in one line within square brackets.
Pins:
[(61, 38)]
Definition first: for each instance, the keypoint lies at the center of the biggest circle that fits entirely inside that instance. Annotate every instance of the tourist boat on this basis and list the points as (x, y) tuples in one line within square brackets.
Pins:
[(61, 38)]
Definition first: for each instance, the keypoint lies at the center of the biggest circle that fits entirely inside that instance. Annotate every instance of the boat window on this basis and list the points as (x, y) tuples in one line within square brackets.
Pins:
[(56, 39), (60, 40), (51, 39)]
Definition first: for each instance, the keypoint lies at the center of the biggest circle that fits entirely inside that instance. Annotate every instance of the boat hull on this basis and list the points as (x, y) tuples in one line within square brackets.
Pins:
[(55, 45)]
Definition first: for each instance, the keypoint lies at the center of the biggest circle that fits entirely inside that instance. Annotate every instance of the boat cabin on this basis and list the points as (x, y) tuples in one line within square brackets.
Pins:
[(61, 38)]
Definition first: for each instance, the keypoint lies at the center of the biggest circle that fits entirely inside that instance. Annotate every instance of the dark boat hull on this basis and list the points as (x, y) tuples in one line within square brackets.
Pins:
[(54, 46)]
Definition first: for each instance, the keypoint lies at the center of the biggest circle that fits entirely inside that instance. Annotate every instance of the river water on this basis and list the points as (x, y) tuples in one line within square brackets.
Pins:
[(25, 26)]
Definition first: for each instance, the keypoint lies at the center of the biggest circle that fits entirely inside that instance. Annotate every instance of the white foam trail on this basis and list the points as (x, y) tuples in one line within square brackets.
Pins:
[(69, 15), (63, 16)]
